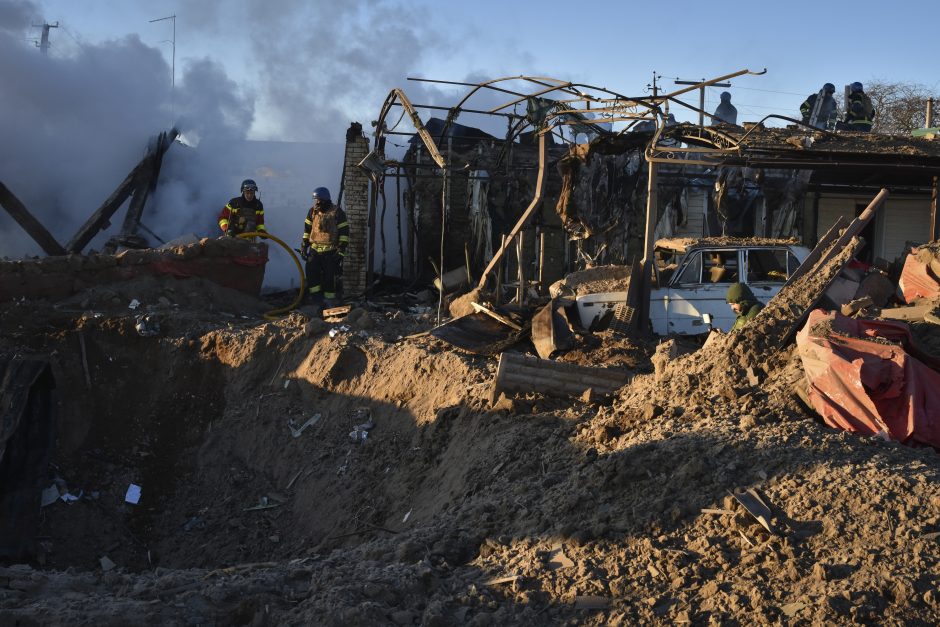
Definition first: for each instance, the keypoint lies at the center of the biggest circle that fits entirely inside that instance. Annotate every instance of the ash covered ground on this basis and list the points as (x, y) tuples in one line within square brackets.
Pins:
[(454, 508)]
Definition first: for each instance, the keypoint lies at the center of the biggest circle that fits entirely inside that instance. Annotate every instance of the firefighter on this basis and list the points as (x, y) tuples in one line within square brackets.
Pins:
[(859, 111), (326, 236), (828, 109), (243, 214)]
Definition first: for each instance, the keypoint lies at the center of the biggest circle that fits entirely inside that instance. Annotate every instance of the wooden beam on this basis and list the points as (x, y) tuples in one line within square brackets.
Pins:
[(30, 224), (100, 219), (147, 182)]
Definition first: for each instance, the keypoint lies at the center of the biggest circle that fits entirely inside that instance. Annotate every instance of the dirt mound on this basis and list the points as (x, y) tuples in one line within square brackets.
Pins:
[(155, 293), (332, 475)]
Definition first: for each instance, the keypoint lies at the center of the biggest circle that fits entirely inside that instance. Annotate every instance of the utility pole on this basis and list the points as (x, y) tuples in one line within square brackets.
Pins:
[(653, 86), (44, 42), (701, 96)]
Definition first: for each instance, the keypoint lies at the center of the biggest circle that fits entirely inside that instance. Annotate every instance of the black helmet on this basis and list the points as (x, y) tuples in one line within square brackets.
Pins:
[(856, 87), (249, 184), (321, 193), (829, 88), (725, 96)]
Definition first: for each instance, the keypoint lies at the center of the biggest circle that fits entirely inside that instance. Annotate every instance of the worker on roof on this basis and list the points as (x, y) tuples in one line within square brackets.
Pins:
[(726, 113), (326, 237), (859, 111), (743, 303), (825, 115), (243, 214)]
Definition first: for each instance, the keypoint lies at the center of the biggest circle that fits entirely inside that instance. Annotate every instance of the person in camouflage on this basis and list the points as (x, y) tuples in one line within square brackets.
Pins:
[(743, 303)]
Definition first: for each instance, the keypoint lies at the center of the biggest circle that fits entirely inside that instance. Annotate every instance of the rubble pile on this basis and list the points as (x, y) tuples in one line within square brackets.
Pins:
[(356, 470)]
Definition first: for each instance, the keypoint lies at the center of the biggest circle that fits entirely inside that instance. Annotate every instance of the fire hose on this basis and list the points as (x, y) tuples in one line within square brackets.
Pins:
[(274, 313)]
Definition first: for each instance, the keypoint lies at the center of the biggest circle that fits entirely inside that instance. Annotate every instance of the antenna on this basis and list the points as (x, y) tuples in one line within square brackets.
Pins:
[(170, 17)]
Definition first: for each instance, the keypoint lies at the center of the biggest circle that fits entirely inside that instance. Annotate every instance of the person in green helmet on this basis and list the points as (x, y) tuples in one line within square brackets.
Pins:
[(743, 303)]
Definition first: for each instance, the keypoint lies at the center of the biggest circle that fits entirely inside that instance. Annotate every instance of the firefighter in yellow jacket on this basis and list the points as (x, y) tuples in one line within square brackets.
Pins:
[(243, 214), (326, 236)]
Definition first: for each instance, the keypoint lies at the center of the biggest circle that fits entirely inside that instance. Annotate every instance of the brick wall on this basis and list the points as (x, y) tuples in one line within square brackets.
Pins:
[(356, 205)]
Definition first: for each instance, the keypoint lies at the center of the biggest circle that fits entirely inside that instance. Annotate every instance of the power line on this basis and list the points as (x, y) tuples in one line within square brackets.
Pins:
[(769, 91)]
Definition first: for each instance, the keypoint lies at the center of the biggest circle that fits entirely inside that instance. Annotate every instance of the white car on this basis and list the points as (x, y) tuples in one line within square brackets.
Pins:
[(693, 276)]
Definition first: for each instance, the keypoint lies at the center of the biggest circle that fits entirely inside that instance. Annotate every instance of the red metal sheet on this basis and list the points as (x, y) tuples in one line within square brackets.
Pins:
[(863, 378), (917, 281)]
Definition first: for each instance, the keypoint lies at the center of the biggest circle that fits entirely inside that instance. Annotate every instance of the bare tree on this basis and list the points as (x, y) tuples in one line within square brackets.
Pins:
[(899, 107)]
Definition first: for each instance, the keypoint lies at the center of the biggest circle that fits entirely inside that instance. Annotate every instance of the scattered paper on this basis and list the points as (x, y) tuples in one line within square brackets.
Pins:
[(557, 558), (407, 516), (134, 304), (49, 496), (71, 498), (133, 494), (106, 564)]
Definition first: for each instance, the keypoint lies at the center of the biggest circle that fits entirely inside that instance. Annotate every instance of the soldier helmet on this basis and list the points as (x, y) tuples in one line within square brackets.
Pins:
[(856, 87), (321, 193), (829, 88), (249, 184), (739, 293)]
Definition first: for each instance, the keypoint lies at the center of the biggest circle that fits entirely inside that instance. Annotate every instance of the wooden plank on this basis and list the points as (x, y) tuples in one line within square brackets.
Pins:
[(914, 312), (509, 323), (821, 247), (100, 218), (30, 224), (147, 181)]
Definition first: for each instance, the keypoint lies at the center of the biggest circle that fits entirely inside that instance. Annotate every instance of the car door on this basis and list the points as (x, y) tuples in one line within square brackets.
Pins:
[(700, 287), (767, 269)]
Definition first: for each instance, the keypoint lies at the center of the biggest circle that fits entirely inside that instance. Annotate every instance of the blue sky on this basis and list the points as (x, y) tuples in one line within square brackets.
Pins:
[(614, 44), (74, 122)]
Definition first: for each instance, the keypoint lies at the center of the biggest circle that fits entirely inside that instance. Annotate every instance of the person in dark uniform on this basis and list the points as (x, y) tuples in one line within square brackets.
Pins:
[(243, 214), (725, 113), (827, 108), (859, 111), (326, 237)]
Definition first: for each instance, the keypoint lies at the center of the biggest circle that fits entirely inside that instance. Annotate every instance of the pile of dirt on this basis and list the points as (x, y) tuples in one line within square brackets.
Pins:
[(302, 472)]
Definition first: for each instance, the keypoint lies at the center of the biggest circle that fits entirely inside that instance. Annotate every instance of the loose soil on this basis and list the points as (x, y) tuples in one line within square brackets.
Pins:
[(453, 509)]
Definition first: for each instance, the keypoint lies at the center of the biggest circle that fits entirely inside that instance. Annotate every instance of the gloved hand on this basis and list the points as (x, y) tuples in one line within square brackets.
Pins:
[(229, 233), (305, 251)]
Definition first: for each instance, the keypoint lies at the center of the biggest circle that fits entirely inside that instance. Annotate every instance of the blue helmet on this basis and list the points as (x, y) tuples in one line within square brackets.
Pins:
[(856, 87), (322, 193), (249, 184)]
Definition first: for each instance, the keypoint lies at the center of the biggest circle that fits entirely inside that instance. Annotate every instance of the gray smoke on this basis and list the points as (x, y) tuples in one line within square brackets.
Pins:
[(75, 122)]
